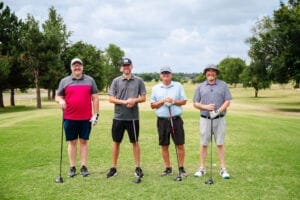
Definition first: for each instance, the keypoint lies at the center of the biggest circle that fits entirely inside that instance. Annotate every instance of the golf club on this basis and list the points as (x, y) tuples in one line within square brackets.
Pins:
[(59, 179), (138, 179), (210, 180), (178, 178)]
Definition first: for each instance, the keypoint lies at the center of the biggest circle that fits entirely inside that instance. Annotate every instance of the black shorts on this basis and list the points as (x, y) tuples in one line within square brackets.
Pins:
[(164, 130), (119, 127), (77, 128)]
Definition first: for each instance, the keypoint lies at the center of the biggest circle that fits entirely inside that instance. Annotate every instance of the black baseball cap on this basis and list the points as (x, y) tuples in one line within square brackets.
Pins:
[(126, 61)]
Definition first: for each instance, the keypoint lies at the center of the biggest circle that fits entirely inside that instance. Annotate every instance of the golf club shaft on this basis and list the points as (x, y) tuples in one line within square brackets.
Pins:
[(173, 134), (61, 143), (211, 144)]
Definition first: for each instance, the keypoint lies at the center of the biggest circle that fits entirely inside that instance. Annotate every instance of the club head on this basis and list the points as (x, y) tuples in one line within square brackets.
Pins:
[(59, 179), (209, 182), (137, 180), (178, 178)]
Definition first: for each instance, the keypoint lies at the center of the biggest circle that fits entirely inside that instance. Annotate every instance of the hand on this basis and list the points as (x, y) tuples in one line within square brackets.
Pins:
[(62, 104), (130, 102), (213, 114), (94, 119), (168, 101), (167, 104), (210, 107)]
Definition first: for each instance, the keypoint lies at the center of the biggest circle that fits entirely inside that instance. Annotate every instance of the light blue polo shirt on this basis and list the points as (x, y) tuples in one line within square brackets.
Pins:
[(175, 91)]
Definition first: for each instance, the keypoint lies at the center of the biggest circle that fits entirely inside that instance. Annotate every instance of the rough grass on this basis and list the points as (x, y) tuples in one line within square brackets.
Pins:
[(262, 146)]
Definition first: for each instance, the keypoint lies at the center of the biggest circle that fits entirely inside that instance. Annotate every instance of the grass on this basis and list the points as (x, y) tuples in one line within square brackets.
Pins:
[(262, 146)]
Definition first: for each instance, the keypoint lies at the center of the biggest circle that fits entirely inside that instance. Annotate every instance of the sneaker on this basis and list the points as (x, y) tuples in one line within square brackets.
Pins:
[(200, 172), (224, 173), (167, 171), (138, 172), (182, 172), (112, 172), (72, 172), (84, 171)]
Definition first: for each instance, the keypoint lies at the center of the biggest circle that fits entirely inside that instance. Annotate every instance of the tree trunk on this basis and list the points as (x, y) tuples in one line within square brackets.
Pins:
[(1, 99), (256, 93), (12, 97), (38, 91), (297, 85), (49, 94), (53, 94)]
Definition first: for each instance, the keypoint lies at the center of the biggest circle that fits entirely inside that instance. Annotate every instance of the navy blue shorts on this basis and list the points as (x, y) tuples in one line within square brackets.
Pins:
[(119, 127), (75, 129)]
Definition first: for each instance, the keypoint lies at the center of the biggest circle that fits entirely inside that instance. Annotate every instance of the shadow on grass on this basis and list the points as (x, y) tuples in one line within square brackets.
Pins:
[(10, 109), (289, 109)]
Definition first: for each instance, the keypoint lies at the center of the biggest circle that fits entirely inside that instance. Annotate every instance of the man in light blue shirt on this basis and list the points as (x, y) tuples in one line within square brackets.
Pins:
[(167, 98)]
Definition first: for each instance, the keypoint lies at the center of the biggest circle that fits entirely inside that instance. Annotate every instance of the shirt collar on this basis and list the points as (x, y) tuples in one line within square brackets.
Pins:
[(164, 86), (215, 83), (74, 78), (131, 77)]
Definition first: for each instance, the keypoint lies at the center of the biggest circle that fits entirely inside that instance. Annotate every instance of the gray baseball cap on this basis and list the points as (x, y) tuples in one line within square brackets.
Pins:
[(165, 69), (211, 66)]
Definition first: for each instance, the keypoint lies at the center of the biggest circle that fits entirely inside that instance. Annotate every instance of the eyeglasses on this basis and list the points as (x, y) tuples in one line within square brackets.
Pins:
[(165, 72), (76, 63)]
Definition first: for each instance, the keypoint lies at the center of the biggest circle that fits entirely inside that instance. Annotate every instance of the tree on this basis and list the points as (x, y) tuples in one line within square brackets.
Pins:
[(10, 50), (31, 58), (113, 56), (55, 42), (286, 64), (230, 69), (93, 61), (261, 54)]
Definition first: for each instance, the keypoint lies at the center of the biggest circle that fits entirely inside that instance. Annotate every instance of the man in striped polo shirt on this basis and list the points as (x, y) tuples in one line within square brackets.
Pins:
[(212, 97), (77, 95)]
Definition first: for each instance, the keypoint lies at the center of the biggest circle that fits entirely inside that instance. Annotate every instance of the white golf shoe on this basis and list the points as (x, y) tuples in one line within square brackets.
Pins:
[(224, 173), (200, 172)]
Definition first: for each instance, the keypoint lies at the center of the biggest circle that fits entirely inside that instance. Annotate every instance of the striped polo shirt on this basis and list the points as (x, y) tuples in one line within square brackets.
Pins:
[(78, 96), (216, 93)]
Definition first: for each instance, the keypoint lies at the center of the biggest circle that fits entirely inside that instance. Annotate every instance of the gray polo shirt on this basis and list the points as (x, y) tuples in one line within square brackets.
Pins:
[(123, 89), (216, 93)]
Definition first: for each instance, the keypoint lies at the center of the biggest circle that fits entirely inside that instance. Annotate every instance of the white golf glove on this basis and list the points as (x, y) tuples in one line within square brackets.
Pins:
[(168, 104), (94, 119), (213, 114)]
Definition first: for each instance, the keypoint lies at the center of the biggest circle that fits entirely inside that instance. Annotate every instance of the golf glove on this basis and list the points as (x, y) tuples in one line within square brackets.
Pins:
[(94, 119), (168, 104), (213, 114)]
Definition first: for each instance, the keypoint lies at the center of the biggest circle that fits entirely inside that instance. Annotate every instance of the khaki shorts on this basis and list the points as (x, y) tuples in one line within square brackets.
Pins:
[(219, 130)]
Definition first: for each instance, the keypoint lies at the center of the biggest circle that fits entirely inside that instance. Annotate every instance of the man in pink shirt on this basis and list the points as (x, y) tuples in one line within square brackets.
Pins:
[(77, 94)]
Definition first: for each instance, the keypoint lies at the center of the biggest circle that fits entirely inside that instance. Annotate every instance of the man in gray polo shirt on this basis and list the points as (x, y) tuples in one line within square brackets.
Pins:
[(126, 91), (212, 97)]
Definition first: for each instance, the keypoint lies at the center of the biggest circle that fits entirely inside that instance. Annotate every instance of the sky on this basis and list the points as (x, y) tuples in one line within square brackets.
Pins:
[(186, 35)]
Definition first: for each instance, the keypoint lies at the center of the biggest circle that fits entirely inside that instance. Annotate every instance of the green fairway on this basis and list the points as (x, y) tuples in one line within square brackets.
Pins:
[(262, 153)]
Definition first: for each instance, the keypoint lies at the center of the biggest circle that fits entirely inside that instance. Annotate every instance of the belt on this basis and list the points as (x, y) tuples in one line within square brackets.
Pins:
[(168, 118), (207, 117)]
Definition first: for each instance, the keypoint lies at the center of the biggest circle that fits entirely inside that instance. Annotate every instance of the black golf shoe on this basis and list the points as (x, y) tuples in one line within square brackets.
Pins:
[(138, 172), (84, 171), (182, 172), (167, 171), (112, 172), (72, 172)]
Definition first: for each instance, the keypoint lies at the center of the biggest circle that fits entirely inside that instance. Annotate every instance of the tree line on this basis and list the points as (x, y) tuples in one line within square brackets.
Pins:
[(34, 56)]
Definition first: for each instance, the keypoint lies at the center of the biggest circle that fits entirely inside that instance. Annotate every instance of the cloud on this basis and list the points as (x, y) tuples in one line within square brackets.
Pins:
[(186, 35)]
